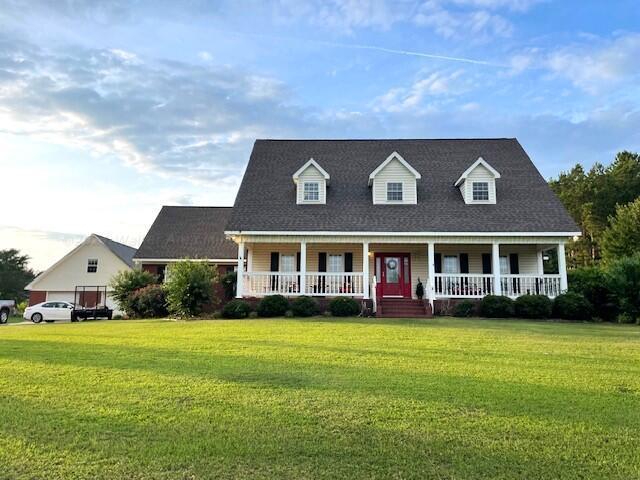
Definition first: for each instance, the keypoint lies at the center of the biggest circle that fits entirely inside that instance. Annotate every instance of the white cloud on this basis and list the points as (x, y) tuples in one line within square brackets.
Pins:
[(169, 117), (481, 24), (597, 66), (412, 98)]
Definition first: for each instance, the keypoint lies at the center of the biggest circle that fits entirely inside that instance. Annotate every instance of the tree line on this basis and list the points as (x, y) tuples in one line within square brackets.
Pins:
[(605, 203)]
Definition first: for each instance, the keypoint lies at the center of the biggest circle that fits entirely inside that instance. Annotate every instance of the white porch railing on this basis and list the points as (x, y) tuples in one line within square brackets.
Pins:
[(470, 285), (516, 285), (463, 285), (318, 284), (335, 284), (258, 284)]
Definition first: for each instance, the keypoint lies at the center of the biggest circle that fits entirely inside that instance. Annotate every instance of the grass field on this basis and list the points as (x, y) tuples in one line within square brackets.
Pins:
[(321, 398)]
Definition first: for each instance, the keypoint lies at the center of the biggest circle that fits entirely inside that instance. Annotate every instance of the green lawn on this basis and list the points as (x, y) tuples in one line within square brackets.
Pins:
[(321, 398)]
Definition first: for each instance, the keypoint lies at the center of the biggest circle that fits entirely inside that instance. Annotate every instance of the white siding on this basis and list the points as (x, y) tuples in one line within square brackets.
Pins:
[(394, 171), (526, 255), (72, 270), (478, 174), (312, 174)]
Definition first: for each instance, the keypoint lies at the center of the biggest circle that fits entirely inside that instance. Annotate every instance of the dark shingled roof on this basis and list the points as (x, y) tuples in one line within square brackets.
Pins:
[(266, 200), (189, 232), (120, 250)]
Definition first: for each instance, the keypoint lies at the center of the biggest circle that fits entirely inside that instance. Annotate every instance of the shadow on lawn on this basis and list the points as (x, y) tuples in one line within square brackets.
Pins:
[(495, 396), (247, 443)]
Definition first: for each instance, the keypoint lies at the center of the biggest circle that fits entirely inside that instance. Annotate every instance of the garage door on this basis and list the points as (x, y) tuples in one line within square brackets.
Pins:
[(59, 296)]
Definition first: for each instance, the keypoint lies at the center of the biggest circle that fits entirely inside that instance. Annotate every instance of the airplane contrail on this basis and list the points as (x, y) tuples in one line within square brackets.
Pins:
[(409, 53)]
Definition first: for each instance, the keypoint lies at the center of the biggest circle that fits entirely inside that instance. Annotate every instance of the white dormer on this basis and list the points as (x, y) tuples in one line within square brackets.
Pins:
[(311, 181), (394, 182), (478, 183)]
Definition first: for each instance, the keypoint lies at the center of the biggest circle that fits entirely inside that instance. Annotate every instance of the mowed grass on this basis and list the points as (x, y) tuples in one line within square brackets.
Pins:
[(322, 398)]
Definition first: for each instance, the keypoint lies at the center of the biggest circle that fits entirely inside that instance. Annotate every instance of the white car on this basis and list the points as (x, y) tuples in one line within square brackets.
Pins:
[(49, 312)]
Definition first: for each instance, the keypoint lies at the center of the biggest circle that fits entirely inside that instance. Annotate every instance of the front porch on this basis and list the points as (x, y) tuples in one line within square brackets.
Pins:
[(378, 270)]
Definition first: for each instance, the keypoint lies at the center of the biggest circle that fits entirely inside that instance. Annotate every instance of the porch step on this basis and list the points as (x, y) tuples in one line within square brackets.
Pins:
[(403, 307)]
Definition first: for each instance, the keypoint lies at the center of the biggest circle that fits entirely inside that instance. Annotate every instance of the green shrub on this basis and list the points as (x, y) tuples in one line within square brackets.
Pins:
[(149, 302), (124, 283), (253, 314), (273, 306), (533, 306), (344, 307), (496, 306), (228, 282), (625, 318), (288, 314), (624, 280), (189, 288), (594, 284), (572, 306), (465, 308), (305, 307), (236, 309)]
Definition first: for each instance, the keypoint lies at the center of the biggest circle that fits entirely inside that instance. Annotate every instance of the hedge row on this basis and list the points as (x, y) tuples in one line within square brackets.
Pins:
[(278, 306), (569, 306)]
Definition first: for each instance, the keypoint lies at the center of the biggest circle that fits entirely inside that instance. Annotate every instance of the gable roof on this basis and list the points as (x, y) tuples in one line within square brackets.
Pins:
[(390, 158), (120, 250), (479, 161), (188, 232), (310, 163), (266, 200)]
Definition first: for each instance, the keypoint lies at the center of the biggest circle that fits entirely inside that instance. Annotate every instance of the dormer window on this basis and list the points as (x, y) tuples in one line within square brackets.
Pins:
[(311, 183), (394, 191), (311, 192), (478, 183), (481, 191), (394, 182)]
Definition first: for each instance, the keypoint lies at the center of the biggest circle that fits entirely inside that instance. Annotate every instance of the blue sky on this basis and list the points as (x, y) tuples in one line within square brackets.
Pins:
[(110, 109)]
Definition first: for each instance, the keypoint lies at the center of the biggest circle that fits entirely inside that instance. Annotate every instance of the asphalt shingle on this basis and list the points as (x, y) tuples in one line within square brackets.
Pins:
[(266, 200)]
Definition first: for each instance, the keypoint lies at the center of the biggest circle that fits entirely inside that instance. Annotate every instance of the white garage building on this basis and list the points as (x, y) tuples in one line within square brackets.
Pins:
[(92, 263)]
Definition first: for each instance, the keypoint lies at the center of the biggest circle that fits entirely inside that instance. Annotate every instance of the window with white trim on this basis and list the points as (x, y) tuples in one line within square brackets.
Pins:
[(450, 264), (92, 265), (287, 263), (311, 192), (480, 191), (504, 265), (336, 264), (394, 192)]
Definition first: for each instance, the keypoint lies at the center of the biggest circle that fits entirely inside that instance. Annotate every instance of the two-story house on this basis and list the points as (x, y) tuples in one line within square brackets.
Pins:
[(371, 218)]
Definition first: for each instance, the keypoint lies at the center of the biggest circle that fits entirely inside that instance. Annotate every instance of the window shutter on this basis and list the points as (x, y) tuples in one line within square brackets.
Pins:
[(275, 261), (348, 262), (437, 260), (464, 263), (514, 264), (298, 262), (322, 262), (486, 263)]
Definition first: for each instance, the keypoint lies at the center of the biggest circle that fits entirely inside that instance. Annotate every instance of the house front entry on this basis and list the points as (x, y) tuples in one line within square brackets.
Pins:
[(394, 273)]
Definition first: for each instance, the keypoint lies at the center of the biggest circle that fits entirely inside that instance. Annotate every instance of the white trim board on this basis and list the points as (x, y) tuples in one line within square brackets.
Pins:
[(310, 162), (479, 161), (394, 156), (174, 260), (403, 234)]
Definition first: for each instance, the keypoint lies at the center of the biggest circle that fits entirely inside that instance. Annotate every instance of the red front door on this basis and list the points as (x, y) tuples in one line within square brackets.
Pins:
[(394, 273)]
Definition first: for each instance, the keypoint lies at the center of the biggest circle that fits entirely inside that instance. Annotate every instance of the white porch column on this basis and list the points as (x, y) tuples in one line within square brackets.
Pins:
[(562, 268), (365, 270), (495, 266), (431, 269), (240, 275), (540, 262), (303, 267)]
